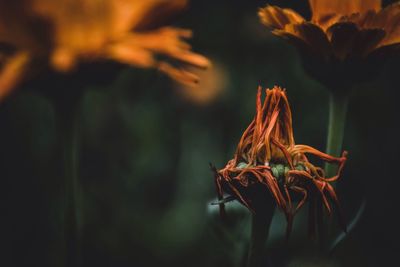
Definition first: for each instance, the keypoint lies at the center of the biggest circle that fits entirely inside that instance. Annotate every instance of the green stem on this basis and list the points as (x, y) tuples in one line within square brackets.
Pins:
[(337, 120), (72, 213), (259, 234)]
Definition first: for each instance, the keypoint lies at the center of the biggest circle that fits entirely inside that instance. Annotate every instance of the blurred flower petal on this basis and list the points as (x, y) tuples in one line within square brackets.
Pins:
[(13, 72), (213, 82), (66, 32), (178, 74)]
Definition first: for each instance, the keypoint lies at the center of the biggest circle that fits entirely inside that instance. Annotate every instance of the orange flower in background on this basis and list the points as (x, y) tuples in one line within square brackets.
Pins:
[(268, 163), (340, 36), (65, 32)]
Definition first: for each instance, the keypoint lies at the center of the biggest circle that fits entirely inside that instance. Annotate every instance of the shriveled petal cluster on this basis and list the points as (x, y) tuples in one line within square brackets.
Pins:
[(339, 32), (268, 163), (63, 33)]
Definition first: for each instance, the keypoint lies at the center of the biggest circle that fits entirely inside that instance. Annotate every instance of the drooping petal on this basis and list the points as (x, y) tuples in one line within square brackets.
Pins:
[(342, 37), (333, 196), (313, 36), (308, 149)]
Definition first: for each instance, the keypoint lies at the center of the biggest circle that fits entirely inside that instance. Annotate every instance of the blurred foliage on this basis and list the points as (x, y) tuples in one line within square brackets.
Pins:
[(145, 150)]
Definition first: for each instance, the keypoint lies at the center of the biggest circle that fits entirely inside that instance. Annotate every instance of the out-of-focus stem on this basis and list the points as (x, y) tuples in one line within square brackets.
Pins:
[(259, 234), (68, 130), (337, 120)]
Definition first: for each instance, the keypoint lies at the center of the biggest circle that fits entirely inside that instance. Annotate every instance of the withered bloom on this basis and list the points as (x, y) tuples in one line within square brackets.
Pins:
[(268, 163), (345, 41), (63, 33)]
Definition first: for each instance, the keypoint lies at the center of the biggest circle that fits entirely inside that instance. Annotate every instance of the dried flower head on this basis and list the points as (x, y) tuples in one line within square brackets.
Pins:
[(347, 38), (63, 33), (268, 163)]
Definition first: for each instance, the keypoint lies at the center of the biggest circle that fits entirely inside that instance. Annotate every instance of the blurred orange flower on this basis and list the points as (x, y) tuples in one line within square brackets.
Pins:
[(341, 33), (268, 163), (63, 33)]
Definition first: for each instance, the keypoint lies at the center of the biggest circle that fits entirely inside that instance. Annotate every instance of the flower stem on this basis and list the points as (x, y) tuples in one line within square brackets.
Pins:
[(259, 234), (68, 129), (337, 120)]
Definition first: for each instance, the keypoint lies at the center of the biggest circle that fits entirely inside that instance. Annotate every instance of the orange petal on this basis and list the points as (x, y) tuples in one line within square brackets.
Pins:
[(132, 55), (193, 59), (308, 149), (157, 14), (168, 41), (13, 72), (63, 59), (138, 14), (179, 75), (324, 9), (277, 18)]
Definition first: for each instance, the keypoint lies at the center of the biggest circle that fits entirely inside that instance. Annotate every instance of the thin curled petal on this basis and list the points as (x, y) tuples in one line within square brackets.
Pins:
[(308, 149)]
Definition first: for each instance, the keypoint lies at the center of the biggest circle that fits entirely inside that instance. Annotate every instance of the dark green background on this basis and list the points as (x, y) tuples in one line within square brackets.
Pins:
[(145, 152)]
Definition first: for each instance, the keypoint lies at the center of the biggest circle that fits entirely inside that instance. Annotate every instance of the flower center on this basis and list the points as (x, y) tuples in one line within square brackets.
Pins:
[(280, 170)]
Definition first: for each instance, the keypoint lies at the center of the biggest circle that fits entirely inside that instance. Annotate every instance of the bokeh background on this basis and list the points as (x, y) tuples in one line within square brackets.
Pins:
[(146, 145)]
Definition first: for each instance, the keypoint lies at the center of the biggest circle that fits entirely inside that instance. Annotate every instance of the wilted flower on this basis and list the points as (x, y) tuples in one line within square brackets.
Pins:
[(62, 33), (268, 163), (346, 38)]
